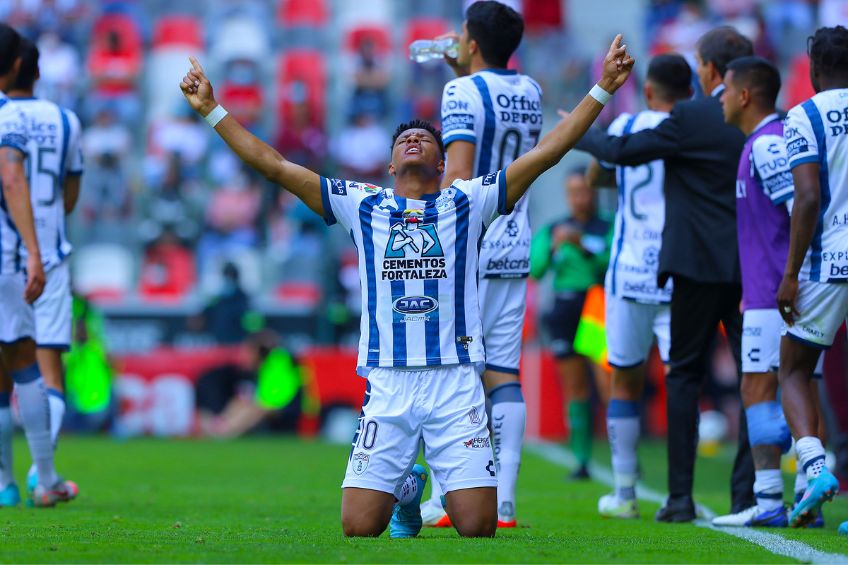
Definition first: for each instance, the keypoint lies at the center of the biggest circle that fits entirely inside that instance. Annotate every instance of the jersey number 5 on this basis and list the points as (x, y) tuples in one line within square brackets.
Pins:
[(46, 194)]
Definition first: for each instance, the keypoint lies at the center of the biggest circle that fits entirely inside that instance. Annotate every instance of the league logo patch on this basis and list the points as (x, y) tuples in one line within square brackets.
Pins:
[(359, 463)]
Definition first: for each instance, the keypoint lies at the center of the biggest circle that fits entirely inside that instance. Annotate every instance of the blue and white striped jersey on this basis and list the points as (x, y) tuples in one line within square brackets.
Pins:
[(54, 152), (418, 261), (639, 221), (816, 131), (500, 111), (13, 133)]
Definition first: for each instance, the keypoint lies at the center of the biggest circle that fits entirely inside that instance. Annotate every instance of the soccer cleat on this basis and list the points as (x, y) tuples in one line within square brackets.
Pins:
[(611, 506), (65, 490), (406, 519), (43, 497), (433, 514), (820, 490), (506, 515), (10, 496), (754, 517), (819, 521)]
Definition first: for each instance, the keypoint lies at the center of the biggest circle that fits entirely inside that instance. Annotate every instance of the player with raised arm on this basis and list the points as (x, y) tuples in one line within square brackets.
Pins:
[(637, 309), (813, 294), (490, 116), (54, 166), (421, 329), (21, 283)]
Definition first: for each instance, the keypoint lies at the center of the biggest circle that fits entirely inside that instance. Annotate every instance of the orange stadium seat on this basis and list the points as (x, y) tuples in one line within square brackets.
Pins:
[(425, 28), (307, 67), (177, 31), (123, 25), (303, 13)]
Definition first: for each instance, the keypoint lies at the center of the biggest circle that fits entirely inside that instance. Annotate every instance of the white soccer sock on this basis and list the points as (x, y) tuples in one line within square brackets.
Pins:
[(57, 413), (508, 421), (35, 419), (801, 481), (811, 455), (768, 488), (623, 431), (408, 489), (435, 492), (7, 474)]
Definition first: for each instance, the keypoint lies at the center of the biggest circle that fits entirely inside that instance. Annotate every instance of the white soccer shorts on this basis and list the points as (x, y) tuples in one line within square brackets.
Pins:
[(17, 320), (53, 310), (822, 307), (443, 407), (631, 327), (502, 307), (761, 330)]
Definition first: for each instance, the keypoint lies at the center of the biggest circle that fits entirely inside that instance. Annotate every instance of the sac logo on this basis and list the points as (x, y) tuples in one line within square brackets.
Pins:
[(414, 305)]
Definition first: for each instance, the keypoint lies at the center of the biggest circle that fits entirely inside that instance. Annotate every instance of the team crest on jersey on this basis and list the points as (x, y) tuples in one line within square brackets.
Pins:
[(445, 201), (359, 463), (413, 238), (651, 255)]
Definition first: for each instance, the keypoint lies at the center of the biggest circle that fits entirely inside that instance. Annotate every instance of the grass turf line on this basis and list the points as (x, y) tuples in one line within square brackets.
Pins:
[(278, 500)]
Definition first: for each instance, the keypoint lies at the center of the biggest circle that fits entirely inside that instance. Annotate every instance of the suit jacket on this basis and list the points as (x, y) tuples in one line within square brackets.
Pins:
[(701, 155)]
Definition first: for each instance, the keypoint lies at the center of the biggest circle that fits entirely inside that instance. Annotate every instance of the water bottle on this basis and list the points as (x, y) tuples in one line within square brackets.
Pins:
[(423, 50)]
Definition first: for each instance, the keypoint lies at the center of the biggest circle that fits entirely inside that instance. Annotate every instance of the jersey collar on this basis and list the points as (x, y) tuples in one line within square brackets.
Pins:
[(499, 71), (765, 121)]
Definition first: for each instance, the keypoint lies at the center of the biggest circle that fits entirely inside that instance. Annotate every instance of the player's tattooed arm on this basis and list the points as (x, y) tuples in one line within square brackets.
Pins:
[(17, 199), (550, 150), (254, 152), (805, 212)]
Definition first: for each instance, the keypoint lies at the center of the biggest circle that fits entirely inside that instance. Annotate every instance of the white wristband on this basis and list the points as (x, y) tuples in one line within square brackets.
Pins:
[(216, 115), (600, 94)]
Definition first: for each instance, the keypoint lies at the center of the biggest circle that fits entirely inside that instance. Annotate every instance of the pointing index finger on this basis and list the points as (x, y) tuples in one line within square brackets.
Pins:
[(195, 64)]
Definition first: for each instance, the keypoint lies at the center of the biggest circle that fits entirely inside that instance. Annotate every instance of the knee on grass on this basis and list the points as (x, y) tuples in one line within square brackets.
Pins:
[(477, 526), (357, 527)]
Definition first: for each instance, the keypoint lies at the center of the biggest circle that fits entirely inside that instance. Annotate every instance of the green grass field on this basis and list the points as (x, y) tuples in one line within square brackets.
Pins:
[(275, 500)]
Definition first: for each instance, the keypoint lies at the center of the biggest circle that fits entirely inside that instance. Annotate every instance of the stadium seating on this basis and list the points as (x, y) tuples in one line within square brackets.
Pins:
[(177, 31), (303, 13), (175, 38), (425, 28), (302, 68), (103, 271)]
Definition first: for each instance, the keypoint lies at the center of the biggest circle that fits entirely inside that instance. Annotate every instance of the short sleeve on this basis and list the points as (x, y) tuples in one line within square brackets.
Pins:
[(341, 199), (616, 128), (768, 155), (488, 195), (74, 161), (801, 144), (459, 116), (13, 132)]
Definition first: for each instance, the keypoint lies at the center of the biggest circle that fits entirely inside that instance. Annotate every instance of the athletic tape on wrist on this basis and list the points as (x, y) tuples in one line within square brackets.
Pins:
[(216, 115), (600, 94)]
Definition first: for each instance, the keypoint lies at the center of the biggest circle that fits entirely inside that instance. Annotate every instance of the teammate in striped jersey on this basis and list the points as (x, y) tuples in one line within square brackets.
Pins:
[(490, 116), (636, 308), (813, 295), (421, 328), (19, 288), (54, 166)]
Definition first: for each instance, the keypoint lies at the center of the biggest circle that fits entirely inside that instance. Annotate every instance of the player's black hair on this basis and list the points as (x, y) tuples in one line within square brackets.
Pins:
[(496, 28), (420, 124), (721, 45), (9, 43), (828, 50), (29, 66), (671, 76), (759, 76)]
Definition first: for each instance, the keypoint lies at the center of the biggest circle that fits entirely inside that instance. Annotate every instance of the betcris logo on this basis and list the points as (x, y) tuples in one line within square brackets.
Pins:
[(413, 305)]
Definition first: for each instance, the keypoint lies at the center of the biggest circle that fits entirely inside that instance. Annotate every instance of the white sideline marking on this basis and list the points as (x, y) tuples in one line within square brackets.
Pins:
[(773, 543)]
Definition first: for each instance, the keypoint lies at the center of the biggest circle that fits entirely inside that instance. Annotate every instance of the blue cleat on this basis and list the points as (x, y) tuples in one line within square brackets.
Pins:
[(406, 519), (819, 521), (843, 529), (32, 481), (754, 517), (9, 496), (820, 490)]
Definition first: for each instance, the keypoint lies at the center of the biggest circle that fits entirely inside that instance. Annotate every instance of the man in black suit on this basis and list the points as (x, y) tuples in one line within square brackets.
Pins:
[(699, 252)]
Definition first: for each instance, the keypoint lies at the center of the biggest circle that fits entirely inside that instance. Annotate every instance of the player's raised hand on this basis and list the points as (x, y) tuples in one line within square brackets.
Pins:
[(617, 66), (35, 279), (197, 89), (452, 62)]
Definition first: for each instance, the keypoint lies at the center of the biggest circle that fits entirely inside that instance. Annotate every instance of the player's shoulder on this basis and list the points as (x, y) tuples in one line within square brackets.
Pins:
[(532, 82), (768, 150), (461, 86)]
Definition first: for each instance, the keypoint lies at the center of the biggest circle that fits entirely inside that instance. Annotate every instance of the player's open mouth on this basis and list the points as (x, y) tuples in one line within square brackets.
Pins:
[(412, 151)]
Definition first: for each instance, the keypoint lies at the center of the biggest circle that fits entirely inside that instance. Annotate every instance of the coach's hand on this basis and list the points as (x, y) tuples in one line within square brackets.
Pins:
[(617, 66), (197, 89), (35, 279), (787, 295)]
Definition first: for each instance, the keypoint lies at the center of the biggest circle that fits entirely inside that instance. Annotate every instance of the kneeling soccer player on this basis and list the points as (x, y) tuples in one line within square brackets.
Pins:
[(421, 329)]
